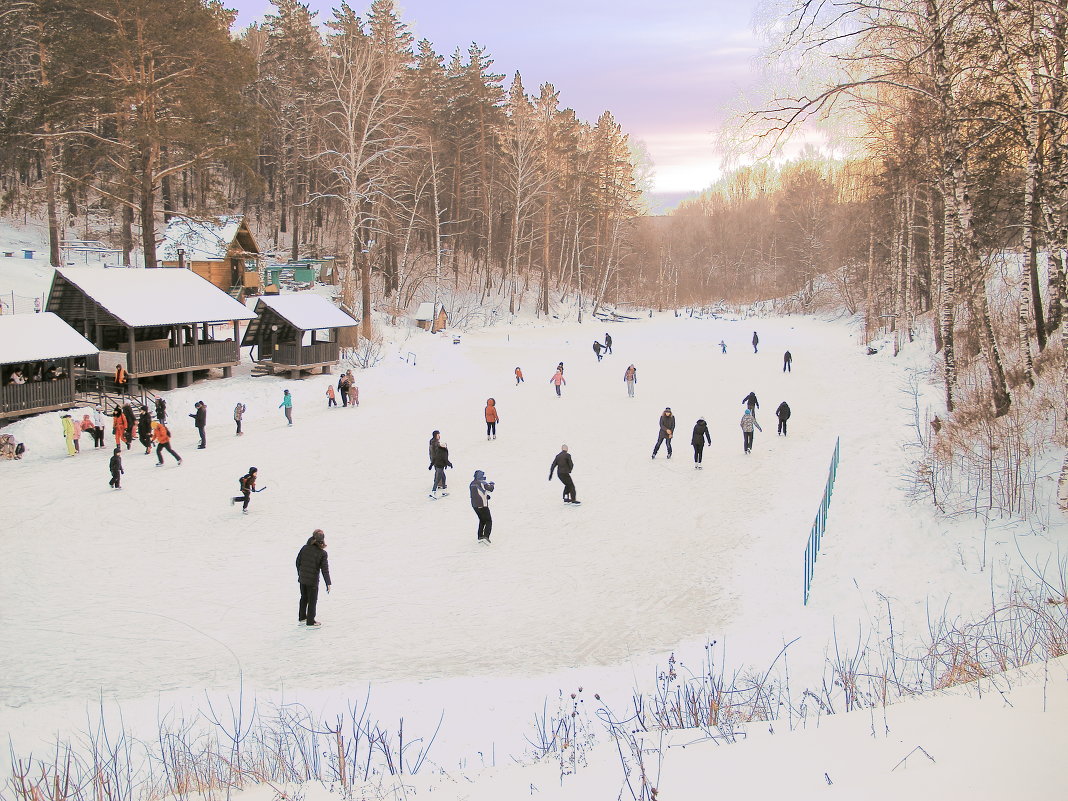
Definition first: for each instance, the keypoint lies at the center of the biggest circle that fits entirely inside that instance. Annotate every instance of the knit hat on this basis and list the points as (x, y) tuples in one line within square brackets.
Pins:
[(252, 470)]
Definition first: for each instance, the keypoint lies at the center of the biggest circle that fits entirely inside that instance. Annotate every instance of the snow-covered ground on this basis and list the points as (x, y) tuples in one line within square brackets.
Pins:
[(147, 598)]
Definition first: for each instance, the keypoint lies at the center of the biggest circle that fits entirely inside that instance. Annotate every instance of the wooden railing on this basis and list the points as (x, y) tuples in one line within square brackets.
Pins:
[(16, 398), (166, 360), (297, 355)]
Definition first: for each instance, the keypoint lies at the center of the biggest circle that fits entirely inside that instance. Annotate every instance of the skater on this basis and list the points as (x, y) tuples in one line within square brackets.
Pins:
[(435, 443), (343, 389), (98, 426), (86, 424), (518, 376), (131, 423), (747, 424), (246, 486), (751, 403), (607, 342), (144, 430), (162, 436), (121, 378), (563, 465), (200, 420), (287, 405), (558, 379), (311, 561), (68, 434), (597, 349), (118, 425), (783, 413), (480, 496), (698, 440), (492, 418), (439, 460), (722, 346), (161, 410), (756, 341), (667, 431), (787, 362), (331, 396), (630, 378), (115, 465), (239, 415)]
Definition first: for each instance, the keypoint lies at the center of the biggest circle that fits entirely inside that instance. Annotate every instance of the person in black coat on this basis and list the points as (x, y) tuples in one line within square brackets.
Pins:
[(439, 460), (698, 440), (597, 349), (756, 341), (751, 403), (783, 413), (607, 343), (311, 561), (563, 465), (161, 410), (787, 362), (667, 431), (144, 429), (480, 497), (115, 465), (200, 420), (131, 423)]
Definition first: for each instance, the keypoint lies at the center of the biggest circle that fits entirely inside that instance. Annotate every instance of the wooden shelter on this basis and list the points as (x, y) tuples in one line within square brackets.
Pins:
[(431, 317), (296, 332), (37, 353), (152, 322), (220, 249)]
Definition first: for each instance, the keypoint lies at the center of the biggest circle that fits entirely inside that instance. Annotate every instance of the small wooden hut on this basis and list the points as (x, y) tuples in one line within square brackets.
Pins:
[(431, 317), (296, 332), (37, 353), (153, 322), (219, 249)]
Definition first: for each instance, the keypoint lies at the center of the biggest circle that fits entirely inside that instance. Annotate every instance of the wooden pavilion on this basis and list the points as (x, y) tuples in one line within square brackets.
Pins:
[(37, 354), (219, 249), (153, 322), (296, 332)]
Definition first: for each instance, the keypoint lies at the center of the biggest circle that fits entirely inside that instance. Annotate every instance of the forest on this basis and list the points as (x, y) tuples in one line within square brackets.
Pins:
[(943, 214)]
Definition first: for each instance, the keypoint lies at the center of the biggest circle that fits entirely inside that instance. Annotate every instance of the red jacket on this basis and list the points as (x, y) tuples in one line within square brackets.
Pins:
[(491, 412)]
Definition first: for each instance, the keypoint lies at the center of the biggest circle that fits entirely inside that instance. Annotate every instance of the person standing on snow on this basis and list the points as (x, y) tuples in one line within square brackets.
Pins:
[(131, 423), (563, 465), (200, 420), (751, 403), (162, 435), (783, 413), (723, 346), (118, 425), (747, 425), (98, 427), (343, 389), (144, 430), (787, 362), (247, 486), (311, 562), (161, 410), (439, 460), (607, 342), (68, 434), (558, 379), (331, 396), (239, 414), (287, 405), (435, 443), (756, 341), (518, 376), (492, 418), (115, 466), (667, 431), (630, 378), (698, 440), (480, 497), (354, 391), (597, 349)]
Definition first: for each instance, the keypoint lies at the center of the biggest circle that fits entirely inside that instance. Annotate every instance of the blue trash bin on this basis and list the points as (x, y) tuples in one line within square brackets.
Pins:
[(27, 254)]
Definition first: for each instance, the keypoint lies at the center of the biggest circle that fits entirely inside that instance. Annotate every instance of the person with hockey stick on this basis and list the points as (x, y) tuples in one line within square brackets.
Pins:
[(247, 484)]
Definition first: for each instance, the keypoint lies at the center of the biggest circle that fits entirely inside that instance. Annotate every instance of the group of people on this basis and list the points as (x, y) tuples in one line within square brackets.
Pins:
[(606, 347), (34, 372)]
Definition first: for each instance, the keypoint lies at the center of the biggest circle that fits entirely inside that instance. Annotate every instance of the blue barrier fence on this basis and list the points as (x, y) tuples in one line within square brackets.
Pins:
[(812, 550)]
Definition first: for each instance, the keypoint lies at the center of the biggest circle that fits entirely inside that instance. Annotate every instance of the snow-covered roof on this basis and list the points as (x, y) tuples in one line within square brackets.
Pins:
[(307, 311), (425, 311), (202, 240), (161, 296), (32, 337)]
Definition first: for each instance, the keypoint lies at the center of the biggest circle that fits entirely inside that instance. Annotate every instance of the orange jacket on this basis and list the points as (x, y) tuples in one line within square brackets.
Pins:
[(491, 411), (120, 374), (118, 424), (160, 433), (518, 373)]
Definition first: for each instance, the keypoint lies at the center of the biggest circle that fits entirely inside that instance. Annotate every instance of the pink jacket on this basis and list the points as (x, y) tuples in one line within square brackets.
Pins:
[(558, 379)]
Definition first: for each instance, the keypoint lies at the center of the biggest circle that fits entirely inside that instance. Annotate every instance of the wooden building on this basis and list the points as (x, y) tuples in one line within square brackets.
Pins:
[(220, 249), (37, 354), (296, 332), (153, 322), (431, 317)]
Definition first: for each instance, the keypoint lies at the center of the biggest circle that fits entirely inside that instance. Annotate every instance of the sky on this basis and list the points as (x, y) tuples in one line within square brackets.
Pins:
[(668, 72)]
